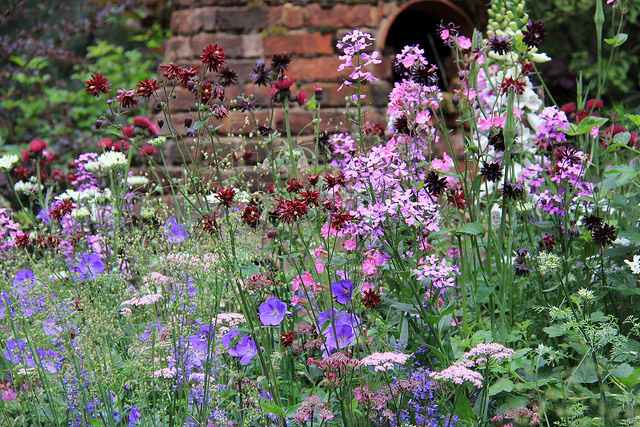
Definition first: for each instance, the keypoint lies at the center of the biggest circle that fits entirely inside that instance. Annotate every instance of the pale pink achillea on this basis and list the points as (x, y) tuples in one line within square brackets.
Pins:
[(142, 301), (312, 405), (482, 353), (385, 361), (458, 374)]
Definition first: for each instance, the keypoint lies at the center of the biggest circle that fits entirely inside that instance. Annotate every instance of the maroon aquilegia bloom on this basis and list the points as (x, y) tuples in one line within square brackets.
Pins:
[(499, 44), (127, 98), (213, 57), (535, 34), (146, 88), (97, 84), (225, 196)]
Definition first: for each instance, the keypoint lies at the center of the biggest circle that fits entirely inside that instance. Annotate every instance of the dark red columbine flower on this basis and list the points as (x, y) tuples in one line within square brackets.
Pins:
[(287, 339), (592, 222), (209, 223), (220, 112), (333, 181), (250, 216), (61, 209), (318, 92), (457, 198), (213, 57), (21, 172), (510, 84), (513, 191), (311, 197), (127, 98), (535, 34), (374, 129), (97, 84), (568, 108), (225, 195), (291, 210), (146, 88), (339, 220), (499, 44), (206, 91), (171, 71), (371, 299), (37, 145), (294, 186), (313, 180), (260, 75), (227, 77), (280, 62), (23, 240)]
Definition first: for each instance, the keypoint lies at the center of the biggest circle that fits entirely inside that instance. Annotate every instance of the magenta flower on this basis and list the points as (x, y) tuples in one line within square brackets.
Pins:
[(342, 290), (272, 312)]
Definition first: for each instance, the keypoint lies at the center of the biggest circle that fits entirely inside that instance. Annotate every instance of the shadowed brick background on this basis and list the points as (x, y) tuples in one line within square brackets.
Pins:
[(308, 31)]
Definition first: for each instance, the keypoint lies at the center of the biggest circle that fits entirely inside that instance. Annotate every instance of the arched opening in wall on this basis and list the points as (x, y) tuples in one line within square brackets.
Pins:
[(417, 23)]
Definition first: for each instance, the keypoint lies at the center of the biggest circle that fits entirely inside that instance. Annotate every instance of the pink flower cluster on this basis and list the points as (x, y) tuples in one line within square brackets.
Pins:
[(204, 262), (354, 46), (8, 229), (554, 122), (313, 405), (437, 271), (385, 361), (483, 353), (142, 301), (458, 374)]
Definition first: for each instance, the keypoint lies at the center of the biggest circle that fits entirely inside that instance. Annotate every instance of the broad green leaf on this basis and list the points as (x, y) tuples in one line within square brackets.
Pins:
[(503, 384), (623, 371), (272, 409), (463, 408), (472, 228), (554, 331), (635, 118), (585, 373)]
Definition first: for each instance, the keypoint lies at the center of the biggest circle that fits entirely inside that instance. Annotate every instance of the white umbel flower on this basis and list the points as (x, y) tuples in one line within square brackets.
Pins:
[(137, 181), (8, 161), (112, 160), (634, 265)]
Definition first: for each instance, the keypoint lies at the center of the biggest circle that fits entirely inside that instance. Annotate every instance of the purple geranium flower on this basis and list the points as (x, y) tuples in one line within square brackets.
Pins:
[(343, 337), (272, 312), (339, 328), (17, 351), (176, 233), (88, 267), (24, 280), (342, 290), (245, 348), (134, 416)]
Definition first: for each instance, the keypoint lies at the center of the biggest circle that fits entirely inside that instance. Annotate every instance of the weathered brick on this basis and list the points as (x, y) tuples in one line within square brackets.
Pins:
[(341, 16), (242, 19), (316, 69), (300, 44), (231, 43), (199, 3), (177, 47), (252, 45), (191, 21), (288, 15)]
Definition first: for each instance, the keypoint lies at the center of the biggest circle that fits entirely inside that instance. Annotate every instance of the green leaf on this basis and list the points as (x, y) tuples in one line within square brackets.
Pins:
[(472, 228), (622, 138), (585, 373), (623, 371), (272, 409), (291, 410), (503, 384), (198, 125), (483, 293), (635, 118), (554, 331), (585, 125), (617, 40), (463, 408)]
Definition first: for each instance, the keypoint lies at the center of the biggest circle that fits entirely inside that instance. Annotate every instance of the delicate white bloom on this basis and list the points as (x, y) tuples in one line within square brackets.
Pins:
[(8, 161), (26, 187), (585, 294), (158, 142), (92, 166), (137, 181), (622, 241), (548, 262), (68, 195), (80, 212), (634, 265), (112, 160), (384, 361)]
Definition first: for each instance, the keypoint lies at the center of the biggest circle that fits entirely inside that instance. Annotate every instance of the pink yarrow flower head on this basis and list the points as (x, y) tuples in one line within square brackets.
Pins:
[(385, 361), (458, 374)]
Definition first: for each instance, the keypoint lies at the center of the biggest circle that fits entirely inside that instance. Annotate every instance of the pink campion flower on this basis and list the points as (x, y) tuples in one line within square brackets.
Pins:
[(464, 42), (8, 395), (350, 245), (444, 164), (595, 131), (491, 121)]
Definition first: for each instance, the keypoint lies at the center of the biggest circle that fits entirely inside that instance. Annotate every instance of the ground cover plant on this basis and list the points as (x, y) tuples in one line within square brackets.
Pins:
[(364, 280)]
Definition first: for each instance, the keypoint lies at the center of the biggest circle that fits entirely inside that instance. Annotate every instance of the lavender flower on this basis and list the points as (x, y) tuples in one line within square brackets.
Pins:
[(134, 416), (245, 348), (24, 281), (342, 290), (175, 232), (272, 312)]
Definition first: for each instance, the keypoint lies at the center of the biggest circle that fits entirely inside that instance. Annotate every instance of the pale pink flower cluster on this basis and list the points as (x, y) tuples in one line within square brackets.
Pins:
[(385, 361), (230, 319), (517, 414), (156, 279), (482, 353), (458, 374), (144, 300), (305, 285), (437, 271), (165, 373), (354, 46)]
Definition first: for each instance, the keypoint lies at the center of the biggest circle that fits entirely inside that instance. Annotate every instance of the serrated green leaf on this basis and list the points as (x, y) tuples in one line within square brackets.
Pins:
[(554, 331), (272, 409), (472, 228), (635, 118), (623, 371), (198, 125)]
